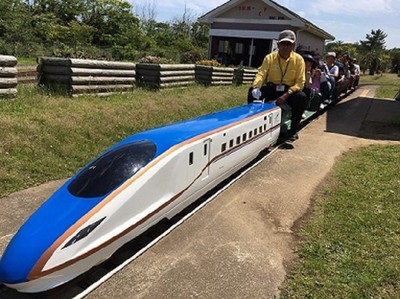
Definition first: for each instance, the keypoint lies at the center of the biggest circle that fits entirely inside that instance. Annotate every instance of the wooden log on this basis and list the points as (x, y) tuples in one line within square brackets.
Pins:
[(102, 64), (7, 60), (102, 72), (8, 82), (8, 71), (63, 70), (84, 80), (176, 84), (87, 63), (164, 73), (176, 79), (177, 73), (8, 92), (177, 66)]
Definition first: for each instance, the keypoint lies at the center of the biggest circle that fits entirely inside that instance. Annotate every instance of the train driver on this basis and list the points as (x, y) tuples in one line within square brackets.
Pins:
[(281, 78)]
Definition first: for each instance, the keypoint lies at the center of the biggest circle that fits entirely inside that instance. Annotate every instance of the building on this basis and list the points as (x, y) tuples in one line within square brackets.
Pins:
[(244, 31)]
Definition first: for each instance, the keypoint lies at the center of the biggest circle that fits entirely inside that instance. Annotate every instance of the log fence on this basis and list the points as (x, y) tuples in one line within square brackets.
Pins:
[(81, 76), (211, 75), (160, 76), (8, 76)]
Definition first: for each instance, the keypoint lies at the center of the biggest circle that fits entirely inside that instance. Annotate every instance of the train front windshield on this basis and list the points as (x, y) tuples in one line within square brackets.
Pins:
[(110, 170)]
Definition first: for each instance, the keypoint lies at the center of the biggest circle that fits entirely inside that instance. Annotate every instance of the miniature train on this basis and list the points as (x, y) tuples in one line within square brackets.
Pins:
[(130, 187)]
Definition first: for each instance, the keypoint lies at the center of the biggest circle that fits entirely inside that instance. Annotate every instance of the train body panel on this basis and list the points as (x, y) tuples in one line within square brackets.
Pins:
[(130, 187)]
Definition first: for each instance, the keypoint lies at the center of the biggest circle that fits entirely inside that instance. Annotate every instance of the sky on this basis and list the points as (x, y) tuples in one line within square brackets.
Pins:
[(348, 20)]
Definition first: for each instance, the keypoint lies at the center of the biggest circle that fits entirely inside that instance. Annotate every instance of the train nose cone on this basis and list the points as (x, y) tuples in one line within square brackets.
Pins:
[(11, 270)]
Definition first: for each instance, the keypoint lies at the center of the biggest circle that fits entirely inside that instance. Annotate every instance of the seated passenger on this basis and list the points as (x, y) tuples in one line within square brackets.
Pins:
[(356, 72), (345, 59), (281, 79), (317, 83), (333, 74)]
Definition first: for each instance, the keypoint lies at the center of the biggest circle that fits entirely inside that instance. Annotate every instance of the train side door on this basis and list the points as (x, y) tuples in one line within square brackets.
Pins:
[(270, 124), (199, 158), (206, 157)]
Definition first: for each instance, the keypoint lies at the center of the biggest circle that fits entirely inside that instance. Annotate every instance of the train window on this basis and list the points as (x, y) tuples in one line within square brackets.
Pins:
[(255, 131), (191, 158), (223, 147), (238, 140), (260, 129), (110, 170), (244, 137), (231, 143), (205, 149)]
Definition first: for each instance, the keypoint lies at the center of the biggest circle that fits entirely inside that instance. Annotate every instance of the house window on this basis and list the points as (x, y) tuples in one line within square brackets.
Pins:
[(239, 48), (205, 149), (244, 137), (238, 140), (223, 46), (231, 143)]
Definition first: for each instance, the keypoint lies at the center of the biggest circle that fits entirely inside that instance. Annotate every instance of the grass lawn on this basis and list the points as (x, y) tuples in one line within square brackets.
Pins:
[(389, 84), (45, 136), (350, 246)]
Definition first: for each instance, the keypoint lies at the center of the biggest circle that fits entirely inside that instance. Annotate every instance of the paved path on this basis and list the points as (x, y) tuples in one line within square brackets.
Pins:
[(240, 244)]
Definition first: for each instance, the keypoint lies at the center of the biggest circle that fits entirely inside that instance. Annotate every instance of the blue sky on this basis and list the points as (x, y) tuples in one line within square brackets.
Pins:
[(347, 20)]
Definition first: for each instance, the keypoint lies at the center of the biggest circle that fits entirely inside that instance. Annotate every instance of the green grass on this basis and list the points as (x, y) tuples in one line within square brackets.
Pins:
[(389, 84), (48, 136), (350, 247)]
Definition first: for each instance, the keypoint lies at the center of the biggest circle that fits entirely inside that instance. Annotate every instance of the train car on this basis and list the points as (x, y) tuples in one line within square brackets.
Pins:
[(130, 187)]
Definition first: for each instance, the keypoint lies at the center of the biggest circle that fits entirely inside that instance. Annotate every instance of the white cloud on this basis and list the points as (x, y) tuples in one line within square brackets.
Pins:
[(352, 7)]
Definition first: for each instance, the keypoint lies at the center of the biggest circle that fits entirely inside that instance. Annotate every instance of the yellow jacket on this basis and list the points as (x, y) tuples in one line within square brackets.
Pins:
[(277, 70)]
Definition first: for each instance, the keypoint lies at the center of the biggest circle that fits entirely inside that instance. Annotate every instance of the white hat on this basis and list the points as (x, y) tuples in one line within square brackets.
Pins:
[(333, 54), (287, 36)]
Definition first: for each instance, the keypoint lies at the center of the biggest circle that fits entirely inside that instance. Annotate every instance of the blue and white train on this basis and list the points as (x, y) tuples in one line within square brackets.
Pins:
[(130, 187)]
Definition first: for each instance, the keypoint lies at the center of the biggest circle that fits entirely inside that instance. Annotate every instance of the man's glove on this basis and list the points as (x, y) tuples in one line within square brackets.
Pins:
[(256, 92)]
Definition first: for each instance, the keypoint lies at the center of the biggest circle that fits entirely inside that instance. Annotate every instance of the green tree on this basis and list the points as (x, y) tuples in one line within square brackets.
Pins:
[(16, 37), (373, 50), (395, 60)]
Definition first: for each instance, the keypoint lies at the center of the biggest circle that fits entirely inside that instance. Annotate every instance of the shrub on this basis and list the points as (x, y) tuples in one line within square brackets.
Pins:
[(206, 62), (155, 59)]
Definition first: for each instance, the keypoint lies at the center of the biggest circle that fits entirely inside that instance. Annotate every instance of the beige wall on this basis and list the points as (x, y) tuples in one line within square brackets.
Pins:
[(253, 9)]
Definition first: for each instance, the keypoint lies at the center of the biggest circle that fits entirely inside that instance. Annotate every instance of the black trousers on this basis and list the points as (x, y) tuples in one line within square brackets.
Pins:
[(297, 101)]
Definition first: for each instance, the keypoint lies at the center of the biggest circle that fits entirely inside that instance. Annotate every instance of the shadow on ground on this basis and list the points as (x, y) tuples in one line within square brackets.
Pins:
[(379, 119)]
